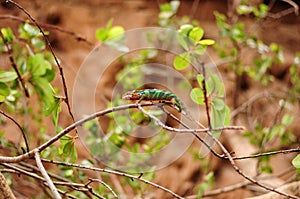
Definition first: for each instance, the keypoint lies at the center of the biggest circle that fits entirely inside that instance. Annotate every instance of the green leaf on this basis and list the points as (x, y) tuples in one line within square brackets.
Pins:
[(101, 34), (116, 33), (38, 43), (183, 40), (45, 93), (196, 34), (197, 95), (287, 120), (218, 104), (56, 111), (200, 79), (296, 163), (28, 31), (185, 29), (227, 116), (182, 61), (37, 65), (4, 91), (7, 34), (7, 76), (200, 49), (206, 42)]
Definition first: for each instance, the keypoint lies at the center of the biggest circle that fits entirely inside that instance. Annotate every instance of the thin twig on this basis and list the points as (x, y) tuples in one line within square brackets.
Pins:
[(103, 183), (19, 126), (14, 65), (49, 26), (206, 101), (45, 174)]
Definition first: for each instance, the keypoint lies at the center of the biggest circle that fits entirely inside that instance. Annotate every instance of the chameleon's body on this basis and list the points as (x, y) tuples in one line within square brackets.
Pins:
[(153, 95)]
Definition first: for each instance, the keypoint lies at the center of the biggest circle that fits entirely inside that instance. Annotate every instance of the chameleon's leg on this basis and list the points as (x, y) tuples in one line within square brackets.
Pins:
[(142, 97)]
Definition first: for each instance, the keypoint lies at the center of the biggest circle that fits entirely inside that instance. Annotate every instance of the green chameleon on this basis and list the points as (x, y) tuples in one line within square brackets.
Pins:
[(153, 95)]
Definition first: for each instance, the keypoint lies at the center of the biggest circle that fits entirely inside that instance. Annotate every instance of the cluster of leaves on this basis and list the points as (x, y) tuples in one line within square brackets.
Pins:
[(234, 39), (31, 65), (191, 40), (234, 42), (112, 36)]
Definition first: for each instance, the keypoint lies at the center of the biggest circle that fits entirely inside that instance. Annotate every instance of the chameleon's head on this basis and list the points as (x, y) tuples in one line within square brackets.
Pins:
[(131, 95)]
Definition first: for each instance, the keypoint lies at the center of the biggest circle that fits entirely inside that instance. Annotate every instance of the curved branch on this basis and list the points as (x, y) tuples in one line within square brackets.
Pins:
[(19, 126)]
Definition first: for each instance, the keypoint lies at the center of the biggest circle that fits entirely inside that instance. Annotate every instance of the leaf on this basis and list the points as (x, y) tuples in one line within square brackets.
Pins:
[(4, 91), (45, 93), (183, 40), (200, 79), (28, 31), (7, 34), (56, 111), (199, 49), (38, 44), (116, 33), (287, 120), (196, 34), (101, 34), (218, 104), (296, 163), (185, 29), (182, 61), (37, 65), (7, 76), (206, 42), (197, 95), (227, 116)]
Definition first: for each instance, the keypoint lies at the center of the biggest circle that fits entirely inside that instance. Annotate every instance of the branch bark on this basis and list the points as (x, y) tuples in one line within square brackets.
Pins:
[(5, 191)]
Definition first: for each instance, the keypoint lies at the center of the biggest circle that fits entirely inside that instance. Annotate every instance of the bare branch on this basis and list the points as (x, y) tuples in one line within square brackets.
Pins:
[(49, 26), (5, 191), (139, 178), (45, 174), (19, 126), (103, 183)]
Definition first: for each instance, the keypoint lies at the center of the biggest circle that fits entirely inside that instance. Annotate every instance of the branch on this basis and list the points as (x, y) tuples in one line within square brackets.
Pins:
[(45, 174), (49, 26), (103, 183), (238, 170), (42, 147), (133, 177), (19, 126), (5, 191)]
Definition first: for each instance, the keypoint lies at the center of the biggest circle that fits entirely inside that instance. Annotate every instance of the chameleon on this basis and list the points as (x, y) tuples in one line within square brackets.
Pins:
[(153, 95)]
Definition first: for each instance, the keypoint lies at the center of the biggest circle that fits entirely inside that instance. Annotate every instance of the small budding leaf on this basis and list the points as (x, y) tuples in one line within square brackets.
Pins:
[(182, 61)]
